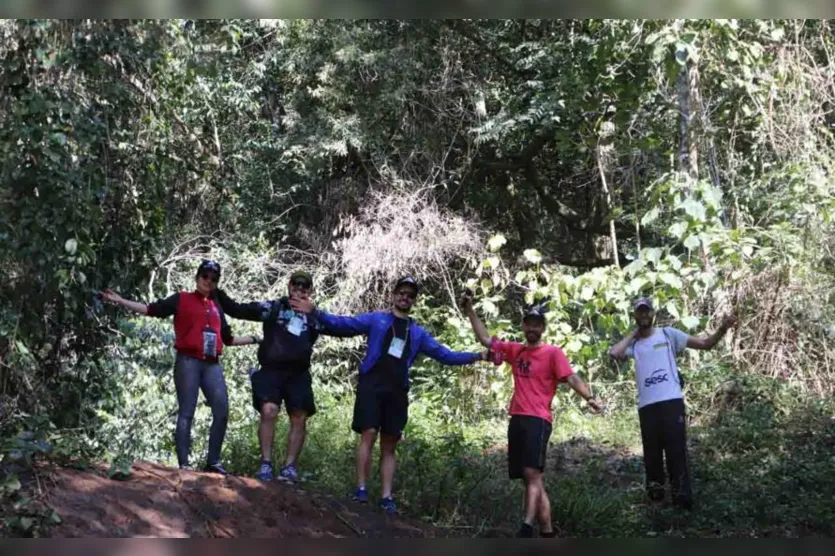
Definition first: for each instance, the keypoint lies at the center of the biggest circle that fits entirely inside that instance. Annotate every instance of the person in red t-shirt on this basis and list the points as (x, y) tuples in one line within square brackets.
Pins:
[(537, 371), (200, 332)]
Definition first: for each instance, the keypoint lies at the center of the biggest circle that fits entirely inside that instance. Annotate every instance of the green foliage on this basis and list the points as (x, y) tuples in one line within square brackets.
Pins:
[(133, 148)]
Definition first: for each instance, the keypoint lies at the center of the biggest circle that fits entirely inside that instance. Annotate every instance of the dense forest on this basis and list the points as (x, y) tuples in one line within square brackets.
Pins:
[(579, 163)]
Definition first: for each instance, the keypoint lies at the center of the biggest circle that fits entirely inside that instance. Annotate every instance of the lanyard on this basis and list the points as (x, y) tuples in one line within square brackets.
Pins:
[(408, 329)]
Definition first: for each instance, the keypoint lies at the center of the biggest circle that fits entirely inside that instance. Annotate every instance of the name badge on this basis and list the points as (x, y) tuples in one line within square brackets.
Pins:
[(209, 344), (396, 348), (295, 326)]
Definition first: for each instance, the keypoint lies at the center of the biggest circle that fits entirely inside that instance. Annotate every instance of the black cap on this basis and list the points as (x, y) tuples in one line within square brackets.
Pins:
[(643, 302), (537, 312), (302, 275), (408, 281), (210, 266)]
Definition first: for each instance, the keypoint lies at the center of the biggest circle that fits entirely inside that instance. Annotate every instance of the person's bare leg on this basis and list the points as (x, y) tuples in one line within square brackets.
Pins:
[(533, 493), (388, 463), (544, 513), (295, 440), (366, 444), (266, 430)]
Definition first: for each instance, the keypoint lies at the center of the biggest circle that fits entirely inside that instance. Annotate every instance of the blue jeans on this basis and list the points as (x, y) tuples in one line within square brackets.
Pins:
[(190, 376)]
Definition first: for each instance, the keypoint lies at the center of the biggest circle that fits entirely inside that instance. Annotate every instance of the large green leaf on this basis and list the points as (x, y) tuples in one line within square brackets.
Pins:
[(695, 209), (671, 280), (692, 242)]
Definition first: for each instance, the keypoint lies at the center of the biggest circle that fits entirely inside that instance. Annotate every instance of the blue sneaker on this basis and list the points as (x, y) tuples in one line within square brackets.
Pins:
[(387, 505), (361, 495), (289, 473), (265, 472)]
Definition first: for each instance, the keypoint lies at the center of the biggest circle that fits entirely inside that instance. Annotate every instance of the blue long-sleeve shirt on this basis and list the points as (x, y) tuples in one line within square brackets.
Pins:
[(375, 326)]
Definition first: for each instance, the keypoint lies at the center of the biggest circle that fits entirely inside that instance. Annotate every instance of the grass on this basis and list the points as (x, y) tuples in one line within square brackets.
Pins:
[(762, 459)]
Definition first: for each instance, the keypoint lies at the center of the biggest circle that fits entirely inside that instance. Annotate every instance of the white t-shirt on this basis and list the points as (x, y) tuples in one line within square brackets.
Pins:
[(656, 371)]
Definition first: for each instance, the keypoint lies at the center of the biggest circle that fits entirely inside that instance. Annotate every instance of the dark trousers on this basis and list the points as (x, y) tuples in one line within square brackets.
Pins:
[(664, 435), (190, 376)]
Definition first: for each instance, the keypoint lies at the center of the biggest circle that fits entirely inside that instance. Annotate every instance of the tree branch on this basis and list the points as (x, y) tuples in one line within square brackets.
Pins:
[(504, 62)]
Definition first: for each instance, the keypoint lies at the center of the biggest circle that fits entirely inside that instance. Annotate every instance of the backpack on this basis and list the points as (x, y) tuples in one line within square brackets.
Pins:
[(670, 354)]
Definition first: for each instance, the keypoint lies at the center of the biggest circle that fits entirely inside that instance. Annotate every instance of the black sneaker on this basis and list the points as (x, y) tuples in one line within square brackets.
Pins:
[(655, 494), (216, 468), (683, 503), (526, 531)]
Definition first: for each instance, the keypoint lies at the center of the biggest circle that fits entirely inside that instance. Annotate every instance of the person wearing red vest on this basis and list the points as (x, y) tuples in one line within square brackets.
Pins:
[(200, 331)]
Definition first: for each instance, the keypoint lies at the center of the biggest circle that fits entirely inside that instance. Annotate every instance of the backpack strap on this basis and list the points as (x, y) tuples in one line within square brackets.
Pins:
[(672, 355), (269, 324)]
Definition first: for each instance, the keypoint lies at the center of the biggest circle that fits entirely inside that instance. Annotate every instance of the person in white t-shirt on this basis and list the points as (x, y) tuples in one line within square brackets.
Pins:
[(660, 399)]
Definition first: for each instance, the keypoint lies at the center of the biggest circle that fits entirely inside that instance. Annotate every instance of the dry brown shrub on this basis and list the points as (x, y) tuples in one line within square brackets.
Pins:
[(248, 273), (400, 230), (778, 336)]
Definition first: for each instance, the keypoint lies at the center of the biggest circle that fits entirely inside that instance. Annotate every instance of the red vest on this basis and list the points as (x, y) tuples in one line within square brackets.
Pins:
[(194, 314)]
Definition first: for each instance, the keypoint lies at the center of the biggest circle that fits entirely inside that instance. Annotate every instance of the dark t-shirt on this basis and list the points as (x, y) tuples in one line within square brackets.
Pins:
[(288, 336), (390, 372)]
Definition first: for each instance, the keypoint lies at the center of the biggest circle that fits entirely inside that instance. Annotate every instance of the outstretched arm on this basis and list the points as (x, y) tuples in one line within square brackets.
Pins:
[(618, 351), (578, 385), (698, 342), (478, 327), (164, 308), (230, 340), (257, 311), (431, 347), (245, 340), (334, 325)]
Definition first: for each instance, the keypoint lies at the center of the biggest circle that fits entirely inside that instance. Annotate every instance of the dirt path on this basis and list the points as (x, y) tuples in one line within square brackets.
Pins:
[(162, 502)]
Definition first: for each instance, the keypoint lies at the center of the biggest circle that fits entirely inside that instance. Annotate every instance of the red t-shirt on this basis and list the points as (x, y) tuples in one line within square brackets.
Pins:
[(536, 374)]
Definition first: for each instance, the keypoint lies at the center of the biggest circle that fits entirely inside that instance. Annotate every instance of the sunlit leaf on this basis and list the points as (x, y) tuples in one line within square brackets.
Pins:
[(670, 279), (533, 256), (496, 242), (690, 322), (692, 242), (695, 209)]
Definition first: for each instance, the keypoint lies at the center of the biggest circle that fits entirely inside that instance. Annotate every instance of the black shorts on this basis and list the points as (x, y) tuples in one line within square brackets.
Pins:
[(294, 388), (527, 444), (384, 410)]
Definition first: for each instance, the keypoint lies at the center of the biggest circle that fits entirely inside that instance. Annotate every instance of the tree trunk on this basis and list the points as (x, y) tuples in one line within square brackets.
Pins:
[(605, 160), (688, 151)]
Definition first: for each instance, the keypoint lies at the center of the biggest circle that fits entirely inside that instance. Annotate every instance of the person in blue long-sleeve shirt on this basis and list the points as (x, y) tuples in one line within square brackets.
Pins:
[(382, 400)]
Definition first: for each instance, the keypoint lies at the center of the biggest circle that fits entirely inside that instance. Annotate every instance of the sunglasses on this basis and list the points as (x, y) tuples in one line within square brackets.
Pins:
[(406, 293), (209, 276), (301, 284)]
